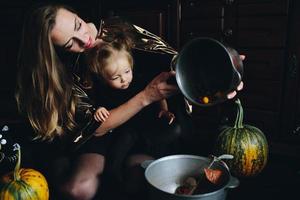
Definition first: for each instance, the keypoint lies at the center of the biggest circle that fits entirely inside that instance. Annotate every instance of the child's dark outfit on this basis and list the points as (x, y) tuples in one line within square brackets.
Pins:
[(144, 133)]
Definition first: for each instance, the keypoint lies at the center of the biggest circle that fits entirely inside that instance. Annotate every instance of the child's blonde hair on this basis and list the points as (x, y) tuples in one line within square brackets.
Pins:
[(99, 57)]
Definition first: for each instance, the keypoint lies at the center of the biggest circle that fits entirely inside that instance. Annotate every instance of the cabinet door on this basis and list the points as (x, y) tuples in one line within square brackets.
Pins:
[(291, 104), (262, 28), (201, 19)]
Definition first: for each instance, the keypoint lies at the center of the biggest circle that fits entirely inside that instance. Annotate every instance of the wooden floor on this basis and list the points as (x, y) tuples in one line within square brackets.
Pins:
[(279, 180)]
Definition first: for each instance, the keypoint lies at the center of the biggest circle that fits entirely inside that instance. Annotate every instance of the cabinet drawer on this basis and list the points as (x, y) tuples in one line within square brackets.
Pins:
[(264, 64), (262, 31), (262, 7), (262, 95), (263, 77), (193, 9), (267, 122)]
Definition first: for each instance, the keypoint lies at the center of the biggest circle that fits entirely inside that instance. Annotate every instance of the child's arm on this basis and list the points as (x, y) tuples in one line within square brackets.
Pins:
[(164, 111), (101, 114)]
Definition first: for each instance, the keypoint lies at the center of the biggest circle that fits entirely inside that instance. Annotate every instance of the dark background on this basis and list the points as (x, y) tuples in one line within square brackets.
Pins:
[(266, 31)]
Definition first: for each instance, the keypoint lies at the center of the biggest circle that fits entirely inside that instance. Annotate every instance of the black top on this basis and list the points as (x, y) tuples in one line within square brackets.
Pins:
[(110, 98)]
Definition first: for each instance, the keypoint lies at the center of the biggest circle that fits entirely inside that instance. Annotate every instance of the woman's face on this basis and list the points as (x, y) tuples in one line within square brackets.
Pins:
[(72, 33)]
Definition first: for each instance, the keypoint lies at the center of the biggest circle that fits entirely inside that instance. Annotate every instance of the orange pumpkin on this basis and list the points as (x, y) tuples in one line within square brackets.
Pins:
[(23, 184)]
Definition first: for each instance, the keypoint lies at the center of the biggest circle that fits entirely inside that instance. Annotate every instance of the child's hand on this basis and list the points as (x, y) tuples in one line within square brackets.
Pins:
[(167, 115), (101, 114)]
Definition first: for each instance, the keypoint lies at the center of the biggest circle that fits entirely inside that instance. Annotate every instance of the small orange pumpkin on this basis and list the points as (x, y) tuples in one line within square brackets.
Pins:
[(23, 184)]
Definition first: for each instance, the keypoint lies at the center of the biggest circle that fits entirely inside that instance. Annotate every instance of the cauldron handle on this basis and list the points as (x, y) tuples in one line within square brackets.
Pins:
[(233, 182), (219, 159)]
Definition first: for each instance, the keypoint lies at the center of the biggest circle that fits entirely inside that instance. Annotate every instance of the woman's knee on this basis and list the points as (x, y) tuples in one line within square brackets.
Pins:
[(84, 189), (84, 182)]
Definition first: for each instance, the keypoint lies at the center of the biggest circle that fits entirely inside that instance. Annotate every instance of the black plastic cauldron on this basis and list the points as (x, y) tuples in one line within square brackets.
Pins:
[(206, 71), (168, 173)]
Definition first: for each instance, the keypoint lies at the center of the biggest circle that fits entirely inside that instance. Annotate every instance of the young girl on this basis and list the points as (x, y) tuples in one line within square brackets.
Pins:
[(151, 129), (113, 62)]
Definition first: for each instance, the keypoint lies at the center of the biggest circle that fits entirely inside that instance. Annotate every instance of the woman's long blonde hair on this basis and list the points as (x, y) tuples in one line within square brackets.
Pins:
[(44, 85)]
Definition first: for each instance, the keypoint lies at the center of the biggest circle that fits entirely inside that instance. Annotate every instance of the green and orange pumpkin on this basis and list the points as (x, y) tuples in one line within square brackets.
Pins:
[(23, 184), (246, 143)]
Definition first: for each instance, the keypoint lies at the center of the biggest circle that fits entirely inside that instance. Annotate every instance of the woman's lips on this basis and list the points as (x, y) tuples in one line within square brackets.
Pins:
[(89, 44)]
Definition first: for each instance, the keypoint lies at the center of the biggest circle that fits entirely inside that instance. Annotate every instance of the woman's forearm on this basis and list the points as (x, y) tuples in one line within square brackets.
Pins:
[(156, 90), (123, 113)]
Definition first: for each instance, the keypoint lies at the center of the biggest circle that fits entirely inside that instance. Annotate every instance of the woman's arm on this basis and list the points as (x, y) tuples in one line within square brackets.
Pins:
[(156, 90)]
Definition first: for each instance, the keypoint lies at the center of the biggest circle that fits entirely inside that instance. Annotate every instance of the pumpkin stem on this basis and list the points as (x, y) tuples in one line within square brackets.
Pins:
[(17, 148), (239, 116)]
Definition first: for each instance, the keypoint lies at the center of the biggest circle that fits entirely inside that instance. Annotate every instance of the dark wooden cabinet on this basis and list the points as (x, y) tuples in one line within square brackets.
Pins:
[(268, 48), (262, 36), (290, 123), (267, 32)]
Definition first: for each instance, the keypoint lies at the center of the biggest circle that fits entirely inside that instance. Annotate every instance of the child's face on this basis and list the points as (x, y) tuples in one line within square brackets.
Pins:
[(118, 72)]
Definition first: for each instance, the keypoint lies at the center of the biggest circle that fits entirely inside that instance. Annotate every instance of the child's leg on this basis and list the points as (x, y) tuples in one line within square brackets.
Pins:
[(134, 178), (122, 145)]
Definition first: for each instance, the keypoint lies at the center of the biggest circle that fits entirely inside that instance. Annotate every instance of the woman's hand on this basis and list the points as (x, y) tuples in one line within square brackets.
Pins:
[(159, 89), (240, 86), (232, 94)]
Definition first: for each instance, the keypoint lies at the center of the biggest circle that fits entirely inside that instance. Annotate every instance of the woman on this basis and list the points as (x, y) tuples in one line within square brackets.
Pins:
[(56, 106), (45, 90)]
